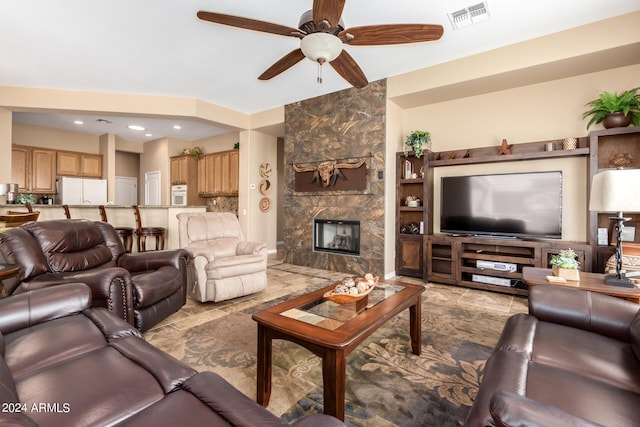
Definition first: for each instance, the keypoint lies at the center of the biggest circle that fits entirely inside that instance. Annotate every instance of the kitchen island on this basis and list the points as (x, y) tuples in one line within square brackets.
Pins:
[(118, 216)]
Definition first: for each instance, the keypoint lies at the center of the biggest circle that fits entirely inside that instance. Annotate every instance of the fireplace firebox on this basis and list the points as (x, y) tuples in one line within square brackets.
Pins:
[(336, 236)]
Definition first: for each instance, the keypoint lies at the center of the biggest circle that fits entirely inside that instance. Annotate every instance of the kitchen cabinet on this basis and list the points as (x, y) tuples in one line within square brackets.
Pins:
[(218, 174), (71, 163), (180, 169), (185, 170), (33, 169)]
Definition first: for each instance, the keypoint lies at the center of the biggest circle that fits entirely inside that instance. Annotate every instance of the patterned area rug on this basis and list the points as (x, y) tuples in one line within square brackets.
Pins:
[(387, 385)]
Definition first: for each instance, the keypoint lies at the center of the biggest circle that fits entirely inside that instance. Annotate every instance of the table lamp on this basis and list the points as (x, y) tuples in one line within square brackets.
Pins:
[(615, 190)]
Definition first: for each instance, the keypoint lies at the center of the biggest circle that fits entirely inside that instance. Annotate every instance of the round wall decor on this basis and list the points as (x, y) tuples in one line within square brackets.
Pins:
[(265, 204), (265, 187)]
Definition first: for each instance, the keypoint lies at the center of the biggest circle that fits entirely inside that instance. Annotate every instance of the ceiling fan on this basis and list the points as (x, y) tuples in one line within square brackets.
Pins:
[(322, 37)]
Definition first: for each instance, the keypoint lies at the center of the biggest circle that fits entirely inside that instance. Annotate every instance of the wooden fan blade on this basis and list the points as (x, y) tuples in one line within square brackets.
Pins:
[(284, 63), (347, 67), (372, 35), (250, 24), (329, 10)]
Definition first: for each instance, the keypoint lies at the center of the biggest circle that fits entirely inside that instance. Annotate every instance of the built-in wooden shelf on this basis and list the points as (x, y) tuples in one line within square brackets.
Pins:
[(524, 151)]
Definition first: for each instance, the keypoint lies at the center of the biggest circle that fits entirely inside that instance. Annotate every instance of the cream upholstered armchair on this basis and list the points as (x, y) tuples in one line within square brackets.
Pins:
[(224, 265)]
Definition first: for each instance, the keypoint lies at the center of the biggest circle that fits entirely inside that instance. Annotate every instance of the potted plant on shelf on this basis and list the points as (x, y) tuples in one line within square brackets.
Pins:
[(565, 264), (417, 142), (614, 109)]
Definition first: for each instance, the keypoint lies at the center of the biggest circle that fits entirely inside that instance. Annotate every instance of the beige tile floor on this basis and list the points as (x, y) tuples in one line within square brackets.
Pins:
[(285, 279)]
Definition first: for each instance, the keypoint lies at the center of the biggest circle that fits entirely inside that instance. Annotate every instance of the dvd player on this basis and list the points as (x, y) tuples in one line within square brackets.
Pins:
[(498, 266)]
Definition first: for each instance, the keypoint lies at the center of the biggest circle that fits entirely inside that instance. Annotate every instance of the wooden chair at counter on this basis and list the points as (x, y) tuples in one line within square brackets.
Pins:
[(144, 232), (26, 205), (16, 219), (125, 233), (66, 211)]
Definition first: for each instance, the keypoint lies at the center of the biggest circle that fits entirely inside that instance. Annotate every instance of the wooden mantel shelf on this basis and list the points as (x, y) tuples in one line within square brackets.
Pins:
[(524, 151)]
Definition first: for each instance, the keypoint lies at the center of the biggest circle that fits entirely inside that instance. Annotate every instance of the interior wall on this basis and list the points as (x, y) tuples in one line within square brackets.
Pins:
[(545, 111), (261, 224), (394, 121), (156, 158), (37, 136), (127, 164), (217, 143), (6, 130), (345, 126)]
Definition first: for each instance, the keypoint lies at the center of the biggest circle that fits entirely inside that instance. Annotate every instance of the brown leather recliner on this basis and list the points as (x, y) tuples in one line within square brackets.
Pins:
[(573, 360), (65, 364), (142, 289)]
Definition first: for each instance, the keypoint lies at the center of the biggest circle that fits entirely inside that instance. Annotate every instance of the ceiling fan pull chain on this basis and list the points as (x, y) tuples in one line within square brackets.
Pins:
[(319, 72)]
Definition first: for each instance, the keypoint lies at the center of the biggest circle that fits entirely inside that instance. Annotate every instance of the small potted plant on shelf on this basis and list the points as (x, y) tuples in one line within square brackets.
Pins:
[(417, 142), (565, 264), (615, 109)]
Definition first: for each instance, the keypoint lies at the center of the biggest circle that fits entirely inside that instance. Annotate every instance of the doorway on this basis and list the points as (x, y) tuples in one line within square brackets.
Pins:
[(126, 191), (152, 188)]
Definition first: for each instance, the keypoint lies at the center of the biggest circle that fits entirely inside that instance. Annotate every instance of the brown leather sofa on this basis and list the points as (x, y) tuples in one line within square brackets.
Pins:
[(574, 360), (142, 288), (66, 364)]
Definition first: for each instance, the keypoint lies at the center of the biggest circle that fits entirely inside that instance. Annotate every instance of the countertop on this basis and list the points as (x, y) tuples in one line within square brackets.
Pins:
[(108, 206)]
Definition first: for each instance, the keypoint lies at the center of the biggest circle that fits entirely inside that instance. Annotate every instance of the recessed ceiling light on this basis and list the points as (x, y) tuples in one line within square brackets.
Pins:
[(78, 122), (148, 134), (177, 127), (136, 127)]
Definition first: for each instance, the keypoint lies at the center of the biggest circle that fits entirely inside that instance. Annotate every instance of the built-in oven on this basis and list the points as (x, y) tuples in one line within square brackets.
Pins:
[(179, 195)]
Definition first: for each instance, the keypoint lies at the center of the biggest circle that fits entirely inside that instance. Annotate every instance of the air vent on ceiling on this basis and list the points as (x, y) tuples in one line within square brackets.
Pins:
[(469, 15)]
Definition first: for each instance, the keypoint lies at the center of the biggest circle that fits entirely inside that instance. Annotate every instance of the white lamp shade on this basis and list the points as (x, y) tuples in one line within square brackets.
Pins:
[(322, 46), (615, 190)]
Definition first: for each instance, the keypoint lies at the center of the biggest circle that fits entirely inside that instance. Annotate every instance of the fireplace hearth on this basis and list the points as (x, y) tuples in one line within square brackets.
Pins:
[(336, 236)]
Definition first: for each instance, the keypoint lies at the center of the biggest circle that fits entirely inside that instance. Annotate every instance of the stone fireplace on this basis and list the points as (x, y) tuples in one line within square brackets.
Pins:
[(336, 236), (347, 126)]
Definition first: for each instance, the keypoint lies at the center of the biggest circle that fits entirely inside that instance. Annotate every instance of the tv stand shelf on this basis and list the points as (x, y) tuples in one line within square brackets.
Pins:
[(454, 260)]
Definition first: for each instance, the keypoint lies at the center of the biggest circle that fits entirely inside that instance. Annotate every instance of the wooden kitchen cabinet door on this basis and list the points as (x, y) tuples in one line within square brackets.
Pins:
[(21, 168), (91, 165), (43, 175), (68, 164)]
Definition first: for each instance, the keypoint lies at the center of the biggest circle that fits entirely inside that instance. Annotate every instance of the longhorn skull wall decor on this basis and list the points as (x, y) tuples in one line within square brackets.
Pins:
[(327, 173)]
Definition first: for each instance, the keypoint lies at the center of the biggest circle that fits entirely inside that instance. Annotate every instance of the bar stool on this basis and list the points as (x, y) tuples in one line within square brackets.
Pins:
[(66, 211), (125, 233), (144, 232)]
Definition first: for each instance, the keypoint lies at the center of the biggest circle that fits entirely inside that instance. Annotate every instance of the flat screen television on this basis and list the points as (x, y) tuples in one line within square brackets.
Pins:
[(519, 205)]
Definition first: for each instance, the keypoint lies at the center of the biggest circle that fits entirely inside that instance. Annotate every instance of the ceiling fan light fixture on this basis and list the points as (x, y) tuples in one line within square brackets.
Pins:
[(321, 47)]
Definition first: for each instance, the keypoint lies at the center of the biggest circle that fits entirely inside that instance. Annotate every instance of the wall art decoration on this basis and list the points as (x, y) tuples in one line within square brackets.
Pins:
[(265, 204), (331, 175)]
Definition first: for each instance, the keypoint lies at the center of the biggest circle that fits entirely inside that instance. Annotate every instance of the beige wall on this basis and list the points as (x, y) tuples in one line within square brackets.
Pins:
[(127, 164), (156, 158), (538, 112), (217, 143), (257, 148), (55, 139)]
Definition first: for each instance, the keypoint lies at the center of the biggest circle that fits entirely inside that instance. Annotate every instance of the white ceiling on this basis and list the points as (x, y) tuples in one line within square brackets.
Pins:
[(159, 47)]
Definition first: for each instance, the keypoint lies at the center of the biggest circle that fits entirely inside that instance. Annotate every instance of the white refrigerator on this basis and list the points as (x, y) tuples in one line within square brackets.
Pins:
[(81, 191)]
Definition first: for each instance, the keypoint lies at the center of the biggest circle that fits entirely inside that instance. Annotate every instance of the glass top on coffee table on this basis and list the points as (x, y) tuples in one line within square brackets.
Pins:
[(330, 315)]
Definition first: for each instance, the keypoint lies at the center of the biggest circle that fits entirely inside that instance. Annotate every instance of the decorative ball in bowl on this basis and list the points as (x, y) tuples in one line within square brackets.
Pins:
[(352, 289)]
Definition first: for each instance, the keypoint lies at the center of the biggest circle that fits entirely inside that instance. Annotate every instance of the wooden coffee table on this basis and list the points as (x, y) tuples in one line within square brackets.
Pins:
[(593, 282), (332, 331)]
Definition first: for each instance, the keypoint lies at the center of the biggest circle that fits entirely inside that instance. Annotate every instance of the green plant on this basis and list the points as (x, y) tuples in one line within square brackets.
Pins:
[(417, 141), (566, 258), (607, 103), (25, 198)]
